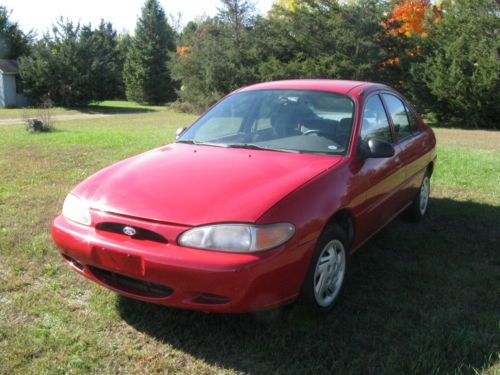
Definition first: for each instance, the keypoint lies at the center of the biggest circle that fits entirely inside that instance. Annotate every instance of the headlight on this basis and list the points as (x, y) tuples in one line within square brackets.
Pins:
[(237, 238), (74, 209)]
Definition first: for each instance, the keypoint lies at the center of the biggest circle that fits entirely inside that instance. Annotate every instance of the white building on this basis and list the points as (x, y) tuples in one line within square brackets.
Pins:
[(10, 85)]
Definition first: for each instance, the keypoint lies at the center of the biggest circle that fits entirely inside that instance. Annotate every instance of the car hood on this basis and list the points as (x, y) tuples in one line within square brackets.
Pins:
[(194, 185)]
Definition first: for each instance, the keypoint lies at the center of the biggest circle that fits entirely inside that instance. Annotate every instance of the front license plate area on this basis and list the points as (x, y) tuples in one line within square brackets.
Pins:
[(120, 262)]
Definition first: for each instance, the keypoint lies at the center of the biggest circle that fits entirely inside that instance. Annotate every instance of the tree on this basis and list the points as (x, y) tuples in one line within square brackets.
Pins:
[(186, 35), (123, 44), (289, 5), (462, 64), (146, 71), (298, 39), (323, 39), (237, 16), (73, 65), (219, 55), (444, 57), (106, 78), (409, 15), (13, 42), (407, 26)]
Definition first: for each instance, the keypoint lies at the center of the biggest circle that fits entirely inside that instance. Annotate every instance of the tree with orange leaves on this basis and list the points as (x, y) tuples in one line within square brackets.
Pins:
[(182, 50), (409, 15)]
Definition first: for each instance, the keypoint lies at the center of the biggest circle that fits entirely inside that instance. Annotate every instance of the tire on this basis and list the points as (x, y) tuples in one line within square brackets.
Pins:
[(325, 278), (419, 207)]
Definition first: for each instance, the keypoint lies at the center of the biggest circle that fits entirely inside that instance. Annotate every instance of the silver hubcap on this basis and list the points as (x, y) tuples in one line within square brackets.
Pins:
[(329, 273), (424, 195)]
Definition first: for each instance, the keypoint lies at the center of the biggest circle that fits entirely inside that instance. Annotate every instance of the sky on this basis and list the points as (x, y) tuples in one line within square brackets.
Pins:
[(39, 15)]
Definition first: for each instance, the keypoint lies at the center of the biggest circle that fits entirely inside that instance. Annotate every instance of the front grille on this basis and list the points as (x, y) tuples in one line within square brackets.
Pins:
[(141, 233), (130, 284)]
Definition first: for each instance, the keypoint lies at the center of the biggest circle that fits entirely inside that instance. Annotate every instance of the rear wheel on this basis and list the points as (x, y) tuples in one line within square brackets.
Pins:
[(325, 277), (418, 208)]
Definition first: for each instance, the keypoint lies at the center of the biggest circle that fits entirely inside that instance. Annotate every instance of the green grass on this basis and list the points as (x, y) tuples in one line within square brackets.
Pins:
[(471, 174), (422, 299)]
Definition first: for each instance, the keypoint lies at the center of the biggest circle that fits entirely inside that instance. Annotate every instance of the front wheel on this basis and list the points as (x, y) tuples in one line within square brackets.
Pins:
[(325, 277)]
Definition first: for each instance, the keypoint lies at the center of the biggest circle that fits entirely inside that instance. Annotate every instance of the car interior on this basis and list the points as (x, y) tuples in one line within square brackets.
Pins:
[(297, 123), (292, 121), (287, 120)]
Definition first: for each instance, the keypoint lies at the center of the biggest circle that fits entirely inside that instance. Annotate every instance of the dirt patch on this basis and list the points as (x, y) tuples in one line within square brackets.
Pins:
[(80, 116), (474, 139)]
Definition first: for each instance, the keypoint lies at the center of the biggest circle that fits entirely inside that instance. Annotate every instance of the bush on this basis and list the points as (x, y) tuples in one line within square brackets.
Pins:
[(184, 107), (39, 119)]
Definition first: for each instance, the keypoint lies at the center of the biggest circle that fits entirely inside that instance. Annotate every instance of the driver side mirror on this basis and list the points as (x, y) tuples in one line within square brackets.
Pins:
[(376, 148), (179, 132)]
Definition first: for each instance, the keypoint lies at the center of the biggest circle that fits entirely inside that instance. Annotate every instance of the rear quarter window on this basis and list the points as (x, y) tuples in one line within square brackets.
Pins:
[(414, 126)]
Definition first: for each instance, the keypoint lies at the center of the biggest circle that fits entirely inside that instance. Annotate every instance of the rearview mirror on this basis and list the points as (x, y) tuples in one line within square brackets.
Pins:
[(179, 132), (377, 148)]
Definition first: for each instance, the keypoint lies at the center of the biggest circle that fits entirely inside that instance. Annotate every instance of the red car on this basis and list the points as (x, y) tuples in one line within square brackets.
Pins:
[(259, 202)]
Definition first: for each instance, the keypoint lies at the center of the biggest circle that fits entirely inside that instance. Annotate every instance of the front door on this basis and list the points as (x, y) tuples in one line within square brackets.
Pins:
[(382, 177)]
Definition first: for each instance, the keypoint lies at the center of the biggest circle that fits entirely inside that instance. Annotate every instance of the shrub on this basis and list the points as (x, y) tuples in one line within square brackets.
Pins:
[(39, 119)]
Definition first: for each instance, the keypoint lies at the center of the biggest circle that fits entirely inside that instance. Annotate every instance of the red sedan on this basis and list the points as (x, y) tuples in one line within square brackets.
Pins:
[(259, 202)]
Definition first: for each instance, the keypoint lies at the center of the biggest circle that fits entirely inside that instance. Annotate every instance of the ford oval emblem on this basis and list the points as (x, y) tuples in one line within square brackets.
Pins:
[(129, 231)]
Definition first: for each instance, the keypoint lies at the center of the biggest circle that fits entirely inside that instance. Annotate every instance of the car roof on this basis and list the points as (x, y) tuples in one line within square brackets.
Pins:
[(332, 85)]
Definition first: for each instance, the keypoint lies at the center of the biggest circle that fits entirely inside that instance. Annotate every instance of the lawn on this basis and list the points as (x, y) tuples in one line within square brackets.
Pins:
[(421, 299), (105, 107)]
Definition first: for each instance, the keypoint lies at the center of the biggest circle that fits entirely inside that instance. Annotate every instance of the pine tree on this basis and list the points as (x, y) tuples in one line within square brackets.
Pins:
[(146, 72), (107, 75), (13, 42), (462, 67)]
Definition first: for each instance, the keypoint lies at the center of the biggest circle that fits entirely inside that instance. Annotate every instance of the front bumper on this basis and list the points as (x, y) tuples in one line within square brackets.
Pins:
[(168, 274)]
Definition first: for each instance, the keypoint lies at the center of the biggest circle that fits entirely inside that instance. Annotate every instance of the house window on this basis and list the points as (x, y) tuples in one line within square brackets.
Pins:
[(19, 85)]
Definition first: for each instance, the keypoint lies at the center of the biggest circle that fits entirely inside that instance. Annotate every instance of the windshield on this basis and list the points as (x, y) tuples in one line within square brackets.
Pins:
[(279, 120)]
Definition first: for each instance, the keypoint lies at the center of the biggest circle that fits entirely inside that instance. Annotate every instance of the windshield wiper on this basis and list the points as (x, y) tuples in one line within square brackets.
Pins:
[(248, 146), (252, 146), (194, 142), (189, 141)]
